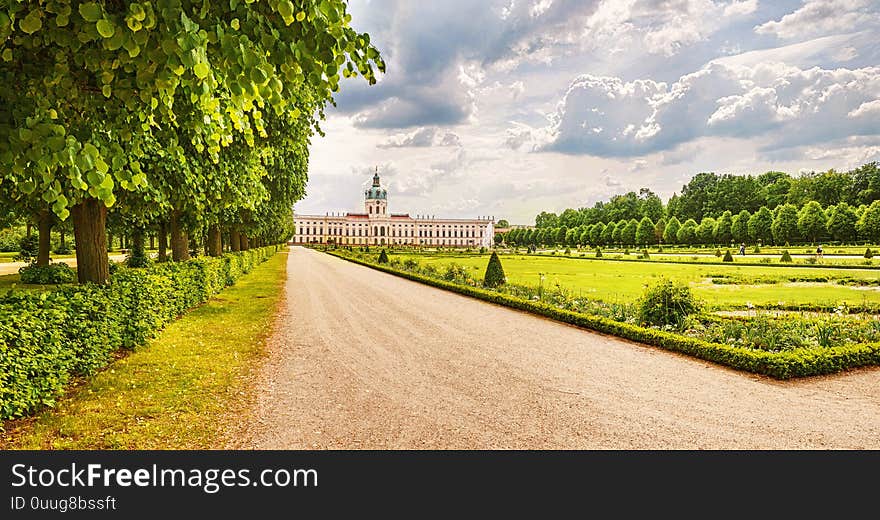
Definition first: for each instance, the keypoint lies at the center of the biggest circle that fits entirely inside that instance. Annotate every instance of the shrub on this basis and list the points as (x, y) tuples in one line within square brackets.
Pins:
[(598, 253), (644, 254), (666, 303), (756, 249), (482, 250), (28, 247), (49, 274), (410, 264), (727, 256), (567, 251), (383, 257), (47, 338), (869, 253), (494, 276), (718, 253), (626, 251), (786, 257)]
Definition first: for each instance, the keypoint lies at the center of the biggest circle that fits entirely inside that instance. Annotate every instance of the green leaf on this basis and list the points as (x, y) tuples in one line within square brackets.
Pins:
[(31, 23), (28, 187), (285, 8), (300, 16), (201, 70), (106, 90), (235, 24), (106, 28), (90, 11), (7, 55)]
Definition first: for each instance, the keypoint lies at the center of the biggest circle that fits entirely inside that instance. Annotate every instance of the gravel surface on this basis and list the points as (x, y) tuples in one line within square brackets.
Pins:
[(363, 359)]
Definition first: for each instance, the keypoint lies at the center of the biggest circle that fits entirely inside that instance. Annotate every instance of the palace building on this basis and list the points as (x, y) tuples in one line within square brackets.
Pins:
[(377, 227)]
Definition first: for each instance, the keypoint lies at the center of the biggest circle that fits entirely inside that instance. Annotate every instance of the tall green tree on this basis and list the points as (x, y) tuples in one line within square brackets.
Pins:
[(687, 233), (841, 223), (761, 225), (670, 234), (723, 232), (706, 231), (869, 223), (785, 224), (597, 232), (739, 226), (811, 221), (608, 234), (645, 232), (628, 235)]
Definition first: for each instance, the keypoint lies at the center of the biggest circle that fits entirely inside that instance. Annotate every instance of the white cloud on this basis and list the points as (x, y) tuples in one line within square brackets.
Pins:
[(422, 137), (817, 17), (644, 116), (867, 109)]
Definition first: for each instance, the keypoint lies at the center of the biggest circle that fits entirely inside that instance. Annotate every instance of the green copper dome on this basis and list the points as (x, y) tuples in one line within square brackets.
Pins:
[(376, 191)]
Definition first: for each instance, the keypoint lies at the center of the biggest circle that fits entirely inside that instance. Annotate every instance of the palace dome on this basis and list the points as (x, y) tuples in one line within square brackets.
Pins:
[(376, 191)]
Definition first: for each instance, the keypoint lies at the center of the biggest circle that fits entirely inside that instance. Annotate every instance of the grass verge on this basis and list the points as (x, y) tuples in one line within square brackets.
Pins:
[(176, 393)]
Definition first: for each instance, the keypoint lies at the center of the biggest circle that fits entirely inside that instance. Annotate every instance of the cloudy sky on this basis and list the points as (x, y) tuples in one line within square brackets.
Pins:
[(511, 107)]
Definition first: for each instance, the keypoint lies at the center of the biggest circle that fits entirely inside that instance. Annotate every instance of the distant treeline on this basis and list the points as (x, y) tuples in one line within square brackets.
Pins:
[(774, 208)]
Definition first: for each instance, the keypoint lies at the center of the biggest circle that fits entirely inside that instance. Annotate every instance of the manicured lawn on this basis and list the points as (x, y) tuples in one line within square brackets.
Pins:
[(180, 391), (625, 281)]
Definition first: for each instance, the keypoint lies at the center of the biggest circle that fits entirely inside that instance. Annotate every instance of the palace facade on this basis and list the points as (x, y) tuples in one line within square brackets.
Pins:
[(377, 227)]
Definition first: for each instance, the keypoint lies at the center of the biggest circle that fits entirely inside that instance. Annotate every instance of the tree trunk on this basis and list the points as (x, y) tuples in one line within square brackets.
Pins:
[(44, 225), (63, 244), (90, 233), (179, 239), (213, 241), (245, 245), (162, 255), (152, 241), (234, 239), (137, 257)]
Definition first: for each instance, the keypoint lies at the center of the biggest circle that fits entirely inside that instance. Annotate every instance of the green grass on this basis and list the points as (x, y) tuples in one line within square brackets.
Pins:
[(625, 281), (10, 281), (179, 392)]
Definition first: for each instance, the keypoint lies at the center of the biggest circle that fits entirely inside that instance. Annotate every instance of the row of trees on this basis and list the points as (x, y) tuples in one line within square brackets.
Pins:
[(710, 195), (187, 119), (784, 224)]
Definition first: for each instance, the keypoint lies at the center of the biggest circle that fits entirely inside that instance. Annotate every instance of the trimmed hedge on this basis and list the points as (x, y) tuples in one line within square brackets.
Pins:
[(780, 365), (49, 337)]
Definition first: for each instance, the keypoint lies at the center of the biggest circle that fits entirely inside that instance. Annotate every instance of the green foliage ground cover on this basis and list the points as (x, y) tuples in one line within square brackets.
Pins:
[(49, 337)]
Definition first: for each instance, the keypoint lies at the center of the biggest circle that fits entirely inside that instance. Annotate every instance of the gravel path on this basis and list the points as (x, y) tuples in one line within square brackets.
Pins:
[(362, 359), (13, 267)]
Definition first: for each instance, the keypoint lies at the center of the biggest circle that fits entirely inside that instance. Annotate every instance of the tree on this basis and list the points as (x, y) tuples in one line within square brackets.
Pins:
[(739, 227), (761, 225), (687, 233), (670, 234), (608, 234), (100, 86), (842, 222), (618, 232), (494, 276), (651, 206), (499, 239), (628, 235), (645, 232), (811, 221), (706, 231), (659, 229), (546, 220), (570, 218), (559, 236), (596, 234), (584, 237), (502, 223), (869, 224), (785, 228), (723, 228), (572, 236)]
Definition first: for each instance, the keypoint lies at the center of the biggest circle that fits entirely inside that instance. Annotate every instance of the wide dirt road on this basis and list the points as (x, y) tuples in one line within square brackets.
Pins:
[(362, 359)]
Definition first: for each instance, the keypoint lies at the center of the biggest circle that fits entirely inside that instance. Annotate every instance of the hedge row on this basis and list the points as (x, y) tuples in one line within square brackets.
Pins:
[(48, 337), (780, 365)]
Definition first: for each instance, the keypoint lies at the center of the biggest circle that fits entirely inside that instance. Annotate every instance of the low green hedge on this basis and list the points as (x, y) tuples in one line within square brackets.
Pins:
[(780, 365), (48, 337)]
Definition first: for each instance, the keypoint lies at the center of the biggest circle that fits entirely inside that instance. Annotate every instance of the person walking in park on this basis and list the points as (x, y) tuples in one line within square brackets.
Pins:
[(742, 249), (819, 253)]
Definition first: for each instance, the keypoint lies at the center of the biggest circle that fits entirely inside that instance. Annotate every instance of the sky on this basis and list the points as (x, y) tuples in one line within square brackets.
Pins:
[(507, 108)]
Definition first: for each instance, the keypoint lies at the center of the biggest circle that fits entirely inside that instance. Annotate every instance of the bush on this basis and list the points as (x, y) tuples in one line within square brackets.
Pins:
[(47, 338), (62, 250), (598, 253), (28, 247), (727, 256), (494, 276), (482, 250), (383, 257), (786, 257), (666, 303), (718, 253), (567, 251), (644, 254), (869, 253), (49, 274), (756, 249)]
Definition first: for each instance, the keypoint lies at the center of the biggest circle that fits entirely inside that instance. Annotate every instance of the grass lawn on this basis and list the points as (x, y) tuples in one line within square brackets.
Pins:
[(179, 392), (625, 281)]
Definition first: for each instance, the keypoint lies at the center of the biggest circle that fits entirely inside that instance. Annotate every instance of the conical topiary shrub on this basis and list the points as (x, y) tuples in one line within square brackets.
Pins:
[(786, 257), (383, 257), (494, 272), (727, 256), (869, 253), (598, 253)]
